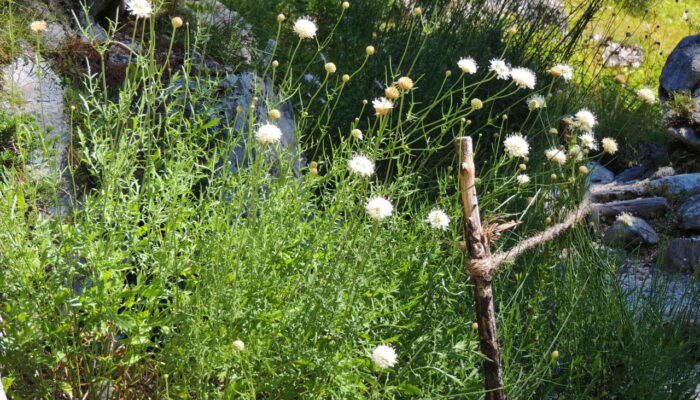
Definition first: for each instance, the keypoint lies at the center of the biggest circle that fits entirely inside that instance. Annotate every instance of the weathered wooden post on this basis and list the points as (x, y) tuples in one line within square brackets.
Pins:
[(480, 266)]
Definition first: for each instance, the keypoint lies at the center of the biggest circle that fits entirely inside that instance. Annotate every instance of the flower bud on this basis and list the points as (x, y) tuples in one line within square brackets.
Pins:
[(281, 17), (405, 83), (417, 11), (391, 93), (583, 170), (176, 22), (370, 50), (477, 104), (346, 78), (346, 5), (275, 114), (356, 133), (275, 64), (475, 326), (330, 68)]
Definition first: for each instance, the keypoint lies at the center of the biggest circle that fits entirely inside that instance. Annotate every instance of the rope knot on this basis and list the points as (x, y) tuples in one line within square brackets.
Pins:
[(481, 266)]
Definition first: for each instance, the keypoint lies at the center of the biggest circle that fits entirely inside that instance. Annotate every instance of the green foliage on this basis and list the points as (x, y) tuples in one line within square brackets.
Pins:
[(170, 257), (681, 107)]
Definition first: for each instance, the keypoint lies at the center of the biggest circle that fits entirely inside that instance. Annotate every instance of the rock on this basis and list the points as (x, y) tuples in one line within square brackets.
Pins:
[(683, 255), (677, 184), (238, 90), (599, 174), (42, 97), (657, 153), (644, 207), (686, 135), (682, 69), (689, 213), (639, 232), (634, 173), (619, 55)]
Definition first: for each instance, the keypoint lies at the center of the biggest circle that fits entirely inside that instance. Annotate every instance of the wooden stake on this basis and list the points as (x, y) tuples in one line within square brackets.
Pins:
[(480, 266)]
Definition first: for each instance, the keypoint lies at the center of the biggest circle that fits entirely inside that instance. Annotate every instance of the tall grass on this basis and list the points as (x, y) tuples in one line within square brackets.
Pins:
[(142, 290)]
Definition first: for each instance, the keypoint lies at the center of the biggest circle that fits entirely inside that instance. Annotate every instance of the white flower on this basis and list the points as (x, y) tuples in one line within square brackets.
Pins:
[(384, 356), (500, 68), (523, 77), (382, 105), (536, 101), (379, 208), (139, 8), (585, 120), (305, 28), (37, 26), (647, 95), (626, 218), (588, 140), (556, 155), (516, 145), (361, 165), (268, 134), (467, 65), (576, 152), (564, 70), (609, 145), (238, 345), (523, 179), (438, 219)]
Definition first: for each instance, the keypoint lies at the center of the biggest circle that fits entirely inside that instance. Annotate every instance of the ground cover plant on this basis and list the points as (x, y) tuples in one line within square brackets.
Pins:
[(176, 275)]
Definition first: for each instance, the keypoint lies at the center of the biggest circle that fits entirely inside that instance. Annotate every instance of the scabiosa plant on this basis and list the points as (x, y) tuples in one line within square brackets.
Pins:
[(609, 145), (500, 67), (524, 78), (361, 165), (384, 356), (139, 8), (438, 219), (516, 145), (382, 106), (268, 134), (468, 65), (379, 208), (305, 28)]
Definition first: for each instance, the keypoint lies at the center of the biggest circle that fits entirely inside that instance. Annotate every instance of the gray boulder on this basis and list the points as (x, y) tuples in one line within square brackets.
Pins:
[(686, 135), (683, 255), (599, 174), (682, 69), (689, 213), (637, 233), (677, 184)]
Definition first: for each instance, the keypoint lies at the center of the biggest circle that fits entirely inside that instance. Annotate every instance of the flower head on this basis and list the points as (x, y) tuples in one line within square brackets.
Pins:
[(384, 356), (370, 50), (536, 101), (556, 155), (523, 77), (305, 28), (467, 65), (38, 26), (268, 134), (626, 218), (585, 120), (523, 179), (139, 8), (588, 141), (405, 83), (576, 152), (275, 114), (647, 95), (361, 165), (379, 208), (563, 70), (516, 145), (438, 219), (477, 104), (500, 67), (176, 22), (382, 106), (392, 93), (356, 133), (609, 145), (238, 345), (330, 68)]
